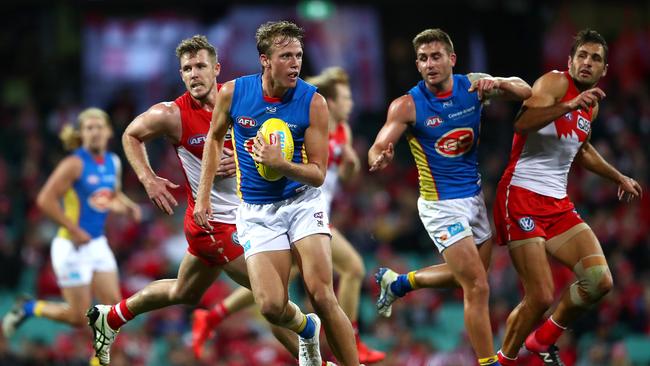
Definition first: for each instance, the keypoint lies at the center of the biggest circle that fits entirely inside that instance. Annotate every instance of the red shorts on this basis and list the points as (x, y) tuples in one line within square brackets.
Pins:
[(216, 247), (522, 214)]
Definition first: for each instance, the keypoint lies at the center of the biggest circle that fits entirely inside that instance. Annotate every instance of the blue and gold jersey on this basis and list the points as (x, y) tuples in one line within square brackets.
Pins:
[(249, 110), (444, 141), (87, 201)]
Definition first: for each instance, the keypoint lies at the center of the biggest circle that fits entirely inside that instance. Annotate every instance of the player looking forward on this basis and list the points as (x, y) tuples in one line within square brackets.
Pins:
[(442, 115)]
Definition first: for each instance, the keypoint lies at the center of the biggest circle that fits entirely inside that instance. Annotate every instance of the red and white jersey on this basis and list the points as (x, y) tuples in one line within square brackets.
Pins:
[(540, 160), (195, 122), (337, 141)]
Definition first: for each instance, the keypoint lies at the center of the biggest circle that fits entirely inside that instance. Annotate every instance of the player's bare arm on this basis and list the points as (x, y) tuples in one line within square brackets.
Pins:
[(350, 164), (488, 87), (212, 151), (543, 106), (162, 119), (589, 158), (48, 200), (401, 114), (313, 172)]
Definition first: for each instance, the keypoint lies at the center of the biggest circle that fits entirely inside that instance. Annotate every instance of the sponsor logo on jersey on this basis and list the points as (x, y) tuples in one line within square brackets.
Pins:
[(101, 199), (462, 113), (568, 115), (447, 104), (196, 140), (271, 110), (433, 121), (248, 145), (92, 179), (456, 142), (319, 215), (246, 122), (584, 125), (526, 224)]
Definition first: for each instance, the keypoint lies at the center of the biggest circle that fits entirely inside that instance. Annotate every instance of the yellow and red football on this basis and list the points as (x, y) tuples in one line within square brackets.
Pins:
[(271, 129)]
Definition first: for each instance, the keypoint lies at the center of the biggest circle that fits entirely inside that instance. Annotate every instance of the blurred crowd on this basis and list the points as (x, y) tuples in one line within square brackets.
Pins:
[(377, 212)]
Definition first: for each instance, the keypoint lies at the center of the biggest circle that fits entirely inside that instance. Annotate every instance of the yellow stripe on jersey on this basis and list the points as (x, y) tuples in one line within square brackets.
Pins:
[(303, 152), (238, 172), (72, 210), (428, 189)]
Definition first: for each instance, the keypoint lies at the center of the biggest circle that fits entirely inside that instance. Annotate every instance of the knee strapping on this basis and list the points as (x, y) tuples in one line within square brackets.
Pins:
[(588, 289)]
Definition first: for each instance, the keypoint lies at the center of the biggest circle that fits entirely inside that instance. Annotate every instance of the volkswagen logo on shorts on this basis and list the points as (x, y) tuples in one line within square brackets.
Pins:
[(526, 224), (235, 238)]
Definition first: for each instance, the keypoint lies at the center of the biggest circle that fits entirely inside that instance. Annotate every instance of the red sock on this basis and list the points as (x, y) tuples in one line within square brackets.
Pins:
[(506, 361), (119, 315), (549, 332), (355, 326), (217, 314)]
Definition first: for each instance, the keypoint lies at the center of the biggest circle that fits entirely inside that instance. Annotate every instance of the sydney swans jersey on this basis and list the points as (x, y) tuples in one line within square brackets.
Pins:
[(249, 110), (337, 141), (195, 122), (444, 141), (540, 160), (87, 202)]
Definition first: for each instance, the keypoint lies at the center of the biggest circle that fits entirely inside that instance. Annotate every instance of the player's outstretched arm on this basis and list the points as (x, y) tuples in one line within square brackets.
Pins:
[(543, 107), (162, 119), (589, 158), (488, 87), (212, 151), (401, 114), (313, 172)]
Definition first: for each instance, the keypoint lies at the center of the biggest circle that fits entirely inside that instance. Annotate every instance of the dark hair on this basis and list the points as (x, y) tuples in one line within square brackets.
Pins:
[(328, 79), (195, 44), (433, 35), (589, 36), (280, 32)]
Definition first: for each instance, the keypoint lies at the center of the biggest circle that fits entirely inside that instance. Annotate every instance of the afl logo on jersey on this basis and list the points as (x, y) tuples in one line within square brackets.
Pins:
[(433, 121), (101, 199), (526, 224), (246, 122), (196, 140), (456, 142)]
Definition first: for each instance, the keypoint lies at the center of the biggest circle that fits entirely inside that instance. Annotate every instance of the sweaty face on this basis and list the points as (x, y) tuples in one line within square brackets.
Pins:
[(199, 73), (284, 62), (95, 134), (587, 66), (434, 63), (341, 106)]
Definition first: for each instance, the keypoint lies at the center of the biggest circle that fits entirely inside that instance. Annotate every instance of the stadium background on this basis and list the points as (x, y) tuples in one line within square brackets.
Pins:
[(61, 57)]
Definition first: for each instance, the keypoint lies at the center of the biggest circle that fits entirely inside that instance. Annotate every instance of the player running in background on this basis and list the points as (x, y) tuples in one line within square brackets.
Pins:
[(533, 214), (343, 164), (78, 195), (442, 115), (185, 123), (283, 220)]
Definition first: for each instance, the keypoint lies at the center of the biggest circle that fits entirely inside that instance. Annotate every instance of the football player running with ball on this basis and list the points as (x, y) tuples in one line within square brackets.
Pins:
[(284, 220)]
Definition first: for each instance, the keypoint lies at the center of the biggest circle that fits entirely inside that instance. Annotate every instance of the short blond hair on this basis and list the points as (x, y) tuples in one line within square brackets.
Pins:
[(195, 44), (433, 35), (327, 80), (70, 136), (267, 34)]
